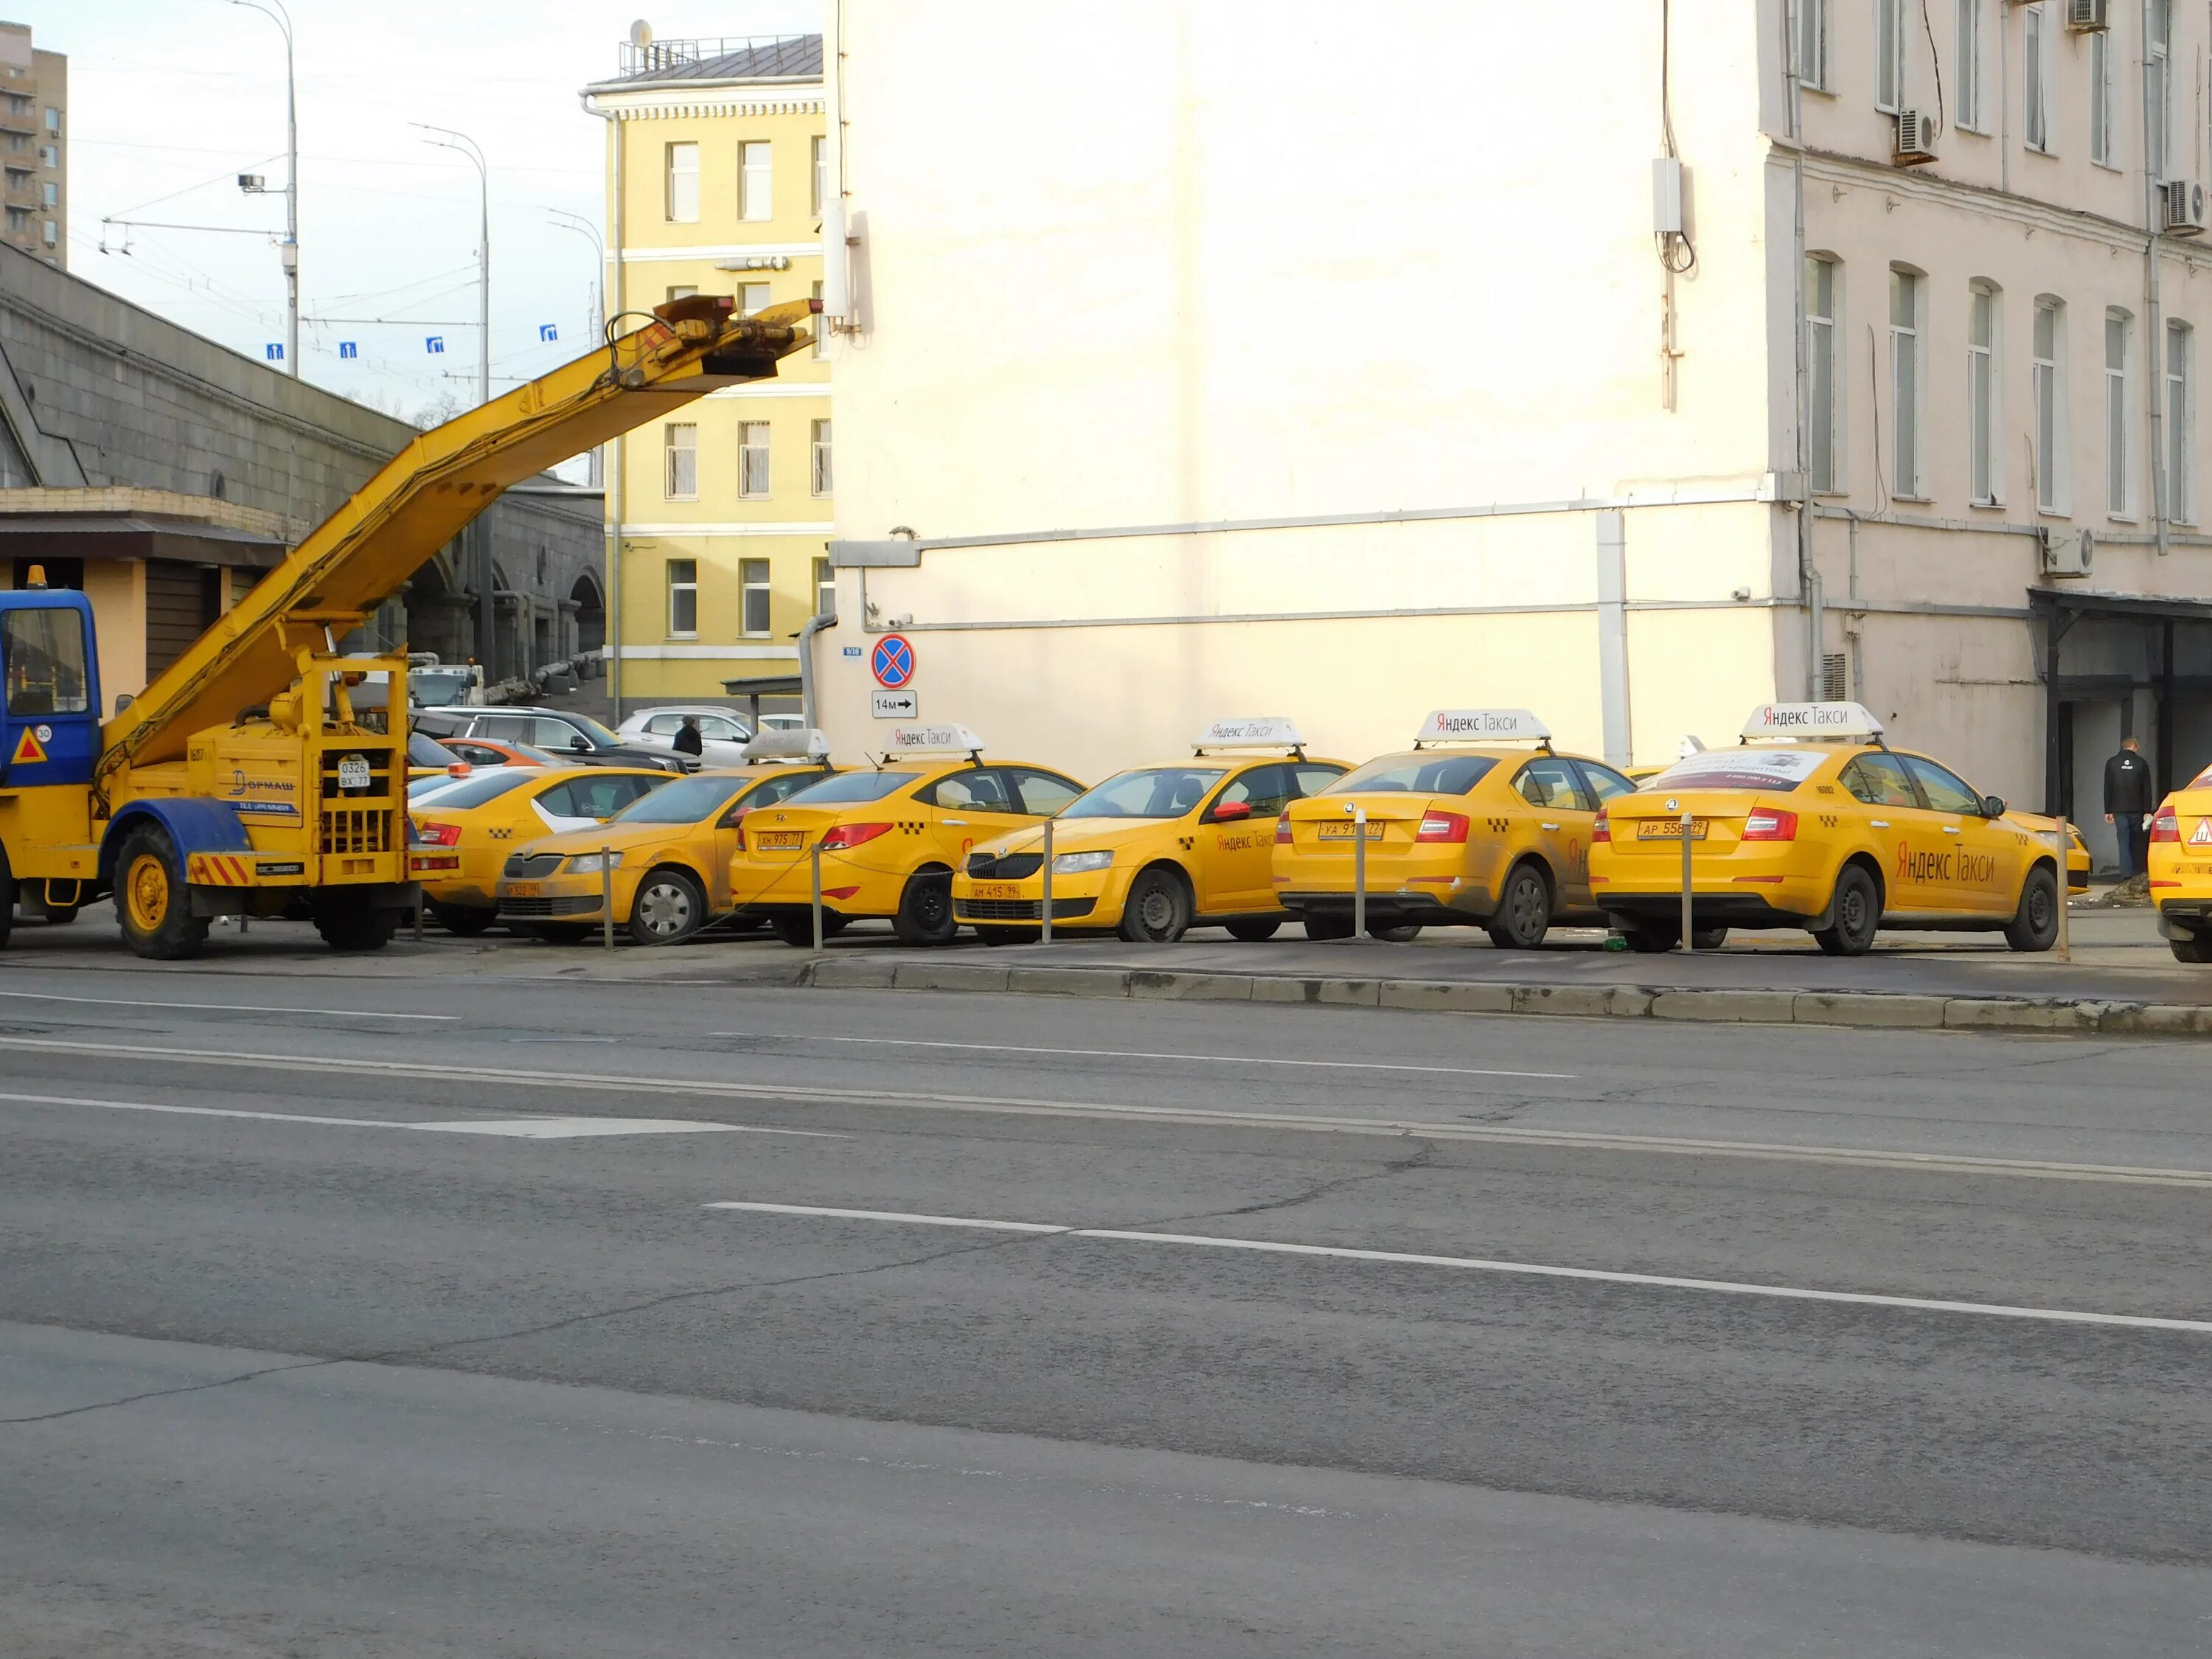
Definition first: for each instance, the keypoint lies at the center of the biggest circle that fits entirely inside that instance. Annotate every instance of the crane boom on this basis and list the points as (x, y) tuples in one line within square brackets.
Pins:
[(426, 495)]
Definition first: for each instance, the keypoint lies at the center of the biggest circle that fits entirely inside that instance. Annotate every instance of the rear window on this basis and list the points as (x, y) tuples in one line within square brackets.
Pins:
[(1776, 771), (1415, 774), (851, 788), (476, 791)]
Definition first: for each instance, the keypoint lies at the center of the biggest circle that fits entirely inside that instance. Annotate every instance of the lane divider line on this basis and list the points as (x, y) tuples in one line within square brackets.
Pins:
[(1199, 1116), (1138, 1053), (1516, 1269), (221, 1007), (522, 1128)]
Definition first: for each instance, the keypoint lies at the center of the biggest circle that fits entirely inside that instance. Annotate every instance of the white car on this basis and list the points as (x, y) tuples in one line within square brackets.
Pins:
[(722, 734)]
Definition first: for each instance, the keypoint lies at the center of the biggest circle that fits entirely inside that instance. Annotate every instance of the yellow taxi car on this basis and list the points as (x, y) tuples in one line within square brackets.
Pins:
[(464, 829), (891, 836), (2181, 869), (1473, 826), (1816, 823), (1155, 851), (664, 858)]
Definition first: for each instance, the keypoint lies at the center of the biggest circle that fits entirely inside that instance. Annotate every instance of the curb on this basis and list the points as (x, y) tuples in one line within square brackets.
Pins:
[(1877, 1009)]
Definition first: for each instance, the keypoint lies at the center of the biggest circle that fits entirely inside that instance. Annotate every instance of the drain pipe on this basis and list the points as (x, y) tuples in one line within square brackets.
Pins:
[(813, 625), (2154, 323)]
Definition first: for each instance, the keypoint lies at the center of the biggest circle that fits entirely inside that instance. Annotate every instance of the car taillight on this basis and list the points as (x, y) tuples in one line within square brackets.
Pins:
[(845, 836), (1442, 826), (2166, 826), (1283, 830), (1769, 823), (439, 834), (738, 824), (1602, 829)]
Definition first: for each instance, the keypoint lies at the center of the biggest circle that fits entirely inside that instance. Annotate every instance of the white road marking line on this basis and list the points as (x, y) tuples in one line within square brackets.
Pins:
[(221, 1007), (1013, 1106), (1139, 1053), (530, 1128), (1519, 1269)]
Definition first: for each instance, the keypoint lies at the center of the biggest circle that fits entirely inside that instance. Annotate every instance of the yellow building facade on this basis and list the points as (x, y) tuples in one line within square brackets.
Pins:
[(718, 519)]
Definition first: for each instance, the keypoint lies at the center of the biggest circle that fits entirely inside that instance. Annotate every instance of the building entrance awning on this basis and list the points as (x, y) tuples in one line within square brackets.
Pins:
[(102, 536)]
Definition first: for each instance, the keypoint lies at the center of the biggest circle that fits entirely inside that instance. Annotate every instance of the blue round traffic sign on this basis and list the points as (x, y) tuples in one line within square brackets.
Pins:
[(892, 662)]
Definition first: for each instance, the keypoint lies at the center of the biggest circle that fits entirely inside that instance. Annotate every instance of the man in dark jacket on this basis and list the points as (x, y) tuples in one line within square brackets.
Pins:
[(687, 740), (2128, 803)]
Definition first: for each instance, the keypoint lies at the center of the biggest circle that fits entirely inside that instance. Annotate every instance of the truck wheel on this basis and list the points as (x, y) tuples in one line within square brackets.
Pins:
[(7, 899), (1253, 931), (153, 906), (1856, 908), (350, 921), (2034, 926), (464, 920), (668, 908), (925, 913), (1157, 909)]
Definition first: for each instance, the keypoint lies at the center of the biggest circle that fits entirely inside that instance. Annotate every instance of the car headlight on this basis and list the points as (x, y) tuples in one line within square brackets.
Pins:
[(1076, 864), (593, 864)]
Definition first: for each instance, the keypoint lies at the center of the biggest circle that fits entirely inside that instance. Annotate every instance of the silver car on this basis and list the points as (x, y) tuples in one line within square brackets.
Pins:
[(723, 734)]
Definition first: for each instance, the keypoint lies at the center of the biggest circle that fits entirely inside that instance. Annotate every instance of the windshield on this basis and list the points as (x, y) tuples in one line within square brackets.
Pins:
[(426, 751), (1779, 770), (853, 788), (473, 791), (1151, 791), (684, 802), (437, 688), (1415, 774)]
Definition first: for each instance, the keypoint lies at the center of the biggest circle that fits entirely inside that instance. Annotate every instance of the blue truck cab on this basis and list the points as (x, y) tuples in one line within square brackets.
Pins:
[(50, 707)]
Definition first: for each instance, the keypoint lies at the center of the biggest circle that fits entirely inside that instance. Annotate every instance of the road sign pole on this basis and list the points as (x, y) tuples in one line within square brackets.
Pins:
[(1359, 869), (2064, 837), (1688, 823)]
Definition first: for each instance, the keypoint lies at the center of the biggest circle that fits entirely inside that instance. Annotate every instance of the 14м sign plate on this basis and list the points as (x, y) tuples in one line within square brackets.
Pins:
[(894, 705)]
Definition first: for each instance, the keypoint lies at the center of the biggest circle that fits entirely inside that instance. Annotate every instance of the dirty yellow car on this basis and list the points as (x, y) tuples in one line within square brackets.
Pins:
[(464, 830), (1480, 823), (889, 835), (1816, 823), (2181, 869), (1157, 850)]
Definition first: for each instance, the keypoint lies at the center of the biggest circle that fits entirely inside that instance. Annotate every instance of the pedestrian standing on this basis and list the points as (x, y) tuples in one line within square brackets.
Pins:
[(2128, 804), (687, 740)]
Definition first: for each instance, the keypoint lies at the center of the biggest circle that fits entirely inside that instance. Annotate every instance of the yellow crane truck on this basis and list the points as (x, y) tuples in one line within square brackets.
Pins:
[(244, 780)]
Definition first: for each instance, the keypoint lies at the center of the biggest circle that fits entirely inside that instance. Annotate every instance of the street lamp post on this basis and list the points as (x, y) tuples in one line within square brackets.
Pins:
[(467, 146), (565, 220), (274, 10)]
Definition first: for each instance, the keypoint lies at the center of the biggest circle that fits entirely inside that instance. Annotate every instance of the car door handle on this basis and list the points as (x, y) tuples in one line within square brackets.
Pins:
[(962, 823), (1877, 823), (1550, 826), (1950, 830)]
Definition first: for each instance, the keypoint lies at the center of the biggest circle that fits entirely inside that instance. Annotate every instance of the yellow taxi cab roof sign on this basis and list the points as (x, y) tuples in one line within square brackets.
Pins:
[(1251, 731), (1817, 722), (1482, 726), (811, 744), (934, 740)]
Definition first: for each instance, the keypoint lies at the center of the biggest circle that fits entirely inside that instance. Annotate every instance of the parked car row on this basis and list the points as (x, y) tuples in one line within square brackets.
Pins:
[(1813, 822)]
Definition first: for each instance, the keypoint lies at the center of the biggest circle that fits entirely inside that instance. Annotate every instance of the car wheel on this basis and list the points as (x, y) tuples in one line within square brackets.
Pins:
[(925, 913), (1329, 927), (1253, 931), (1652, 939), (2034, 925), (151, 906), (2191, 950), (1394, 932), (1524, 910), (1709, 939), (797, 932), (559, 933), (668, 909), (1157, 909), (1010, 935), (465, 920), (1856, 909)]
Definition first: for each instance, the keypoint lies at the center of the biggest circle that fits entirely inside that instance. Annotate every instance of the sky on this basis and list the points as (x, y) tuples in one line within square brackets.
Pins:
[(171, 100)]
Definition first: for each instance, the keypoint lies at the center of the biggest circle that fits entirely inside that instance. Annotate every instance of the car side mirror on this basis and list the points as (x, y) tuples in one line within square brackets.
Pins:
[(1993, 806), (122, 700), (1228, 811), (580, 744)]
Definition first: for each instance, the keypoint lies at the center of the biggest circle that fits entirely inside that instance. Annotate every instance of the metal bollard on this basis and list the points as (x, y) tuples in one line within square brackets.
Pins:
[(1044, 910), (2065, 838), (1688, 825), (815, 858), (606, 898), (1359, 869), (418, 915)]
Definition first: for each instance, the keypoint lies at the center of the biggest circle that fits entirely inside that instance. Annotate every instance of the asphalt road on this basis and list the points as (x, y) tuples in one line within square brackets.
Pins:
[(478, 1315)]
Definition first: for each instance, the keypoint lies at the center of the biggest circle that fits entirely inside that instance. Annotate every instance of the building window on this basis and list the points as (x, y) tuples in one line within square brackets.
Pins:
[(684, 599), (1970, 64), (752, 575), (2181, 494), (820, 325), (2100, 97), (50, 233), (682, 291), (1981, 394), (2158, 25), (1889, 55), (1904, 380), (2050, 406), (821, 172), (752, 298), (682, 440), (1820, 372), (755, 180), (49, 154), (2035, 72), (821, 474), (2119, 413), (825, 588), (752, 458), (53, 122), (684, 183)]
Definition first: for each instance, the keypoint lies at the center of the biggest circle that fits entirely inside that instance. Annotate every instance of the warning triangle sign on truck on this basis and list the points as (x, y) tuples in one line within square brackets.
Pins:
[(28, 751)]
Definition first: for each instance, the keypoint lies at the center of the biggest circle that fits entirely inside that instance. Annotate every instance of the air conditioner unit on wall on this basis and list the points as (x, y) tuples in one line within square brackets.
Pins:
[(1915, 138), (2067, 552), (2088, 16), (2184, 208)]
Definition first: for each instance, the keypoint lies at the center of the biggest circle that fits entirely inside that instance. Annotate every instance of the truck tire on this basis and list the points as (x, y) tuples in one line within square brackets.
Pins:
[(7, 899), (153, 906), (351, 921)]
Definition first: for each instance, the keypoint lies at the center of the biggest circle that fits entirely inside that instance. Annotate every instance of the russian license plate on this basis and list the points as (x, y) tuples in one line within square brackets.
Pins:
[(1342, 829), (998, 890), (1670, 828), (353, 772), (780, 841), (525, 890)]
